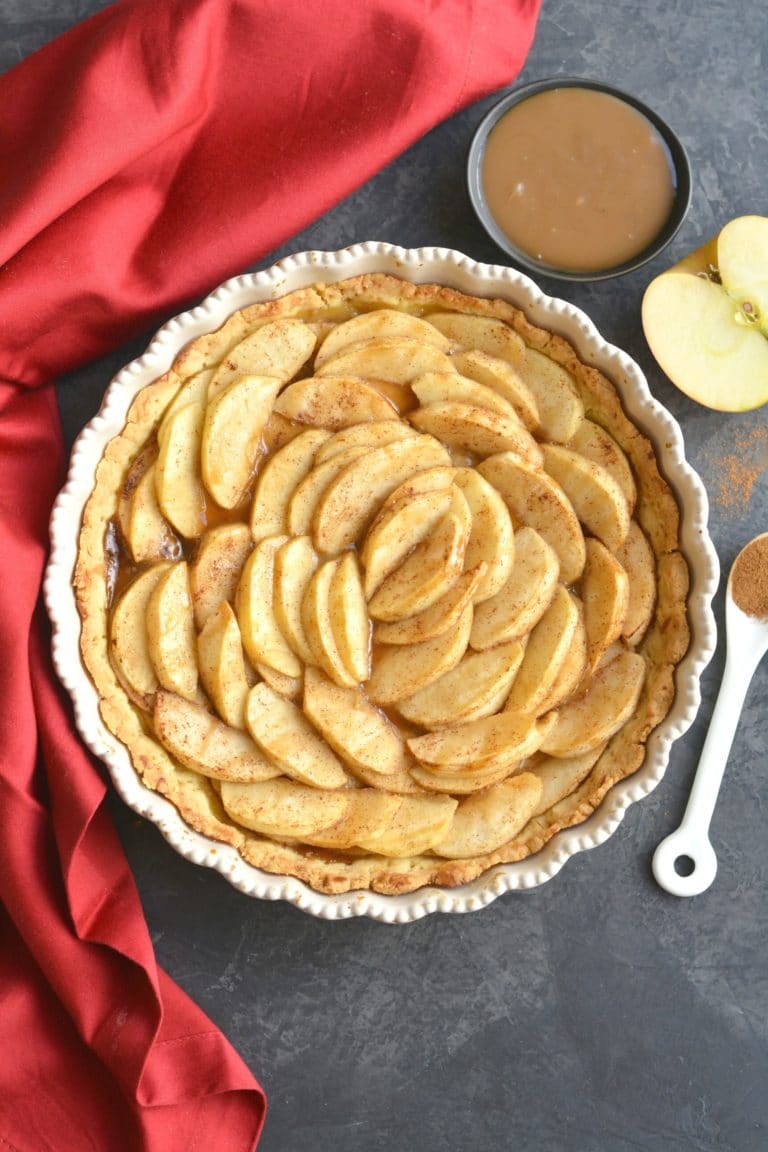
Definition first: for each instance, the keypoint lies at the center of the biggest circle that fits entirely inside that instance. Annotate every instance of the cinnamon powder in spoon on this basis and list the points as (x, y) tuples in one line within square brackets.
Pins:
[(749, 578)]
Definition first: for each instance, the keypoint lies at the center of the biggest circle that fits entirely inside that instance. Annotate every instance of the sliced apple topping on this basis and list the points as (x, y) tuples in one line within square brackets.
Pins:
[(171, 632), (396, 359), (452, 388), (561, 776), (283, 732), (215, 569), (309, 493), (353, 727), (437, 620), (537, 501), (200, 742), (605, 703), (368, 813), (284, 808), (334, 402), (597, 445), (521, 602), (177, 473), (147, 532), (559, 405), (545, 653), (574, 666), (503, 379), (254, 604), (350, 502), (375, 434), (278, 480), (460, 783), (222, 665), (636, 558), (491, 541), (476, 431), (291, 687), (595, 496), (480, 333), (430, 570), (278, 348), (294, 565), (419, 823), (400, 527), (318, 625), (497, 740), (350, 623), (476, 687), (400, 671), (384, 323), (129, 646), (484, 822), (232, 436), (605, 592)]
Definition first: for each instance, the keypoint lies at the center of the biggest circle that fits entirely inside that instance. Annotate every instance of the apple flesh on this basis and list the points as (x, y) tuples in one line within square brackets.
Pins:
[(706, 319)]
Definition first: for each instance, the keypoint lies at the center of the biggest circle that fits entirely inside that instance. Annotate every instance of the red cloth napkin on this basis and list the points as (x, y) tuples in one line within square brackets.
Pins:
[(144, 156)]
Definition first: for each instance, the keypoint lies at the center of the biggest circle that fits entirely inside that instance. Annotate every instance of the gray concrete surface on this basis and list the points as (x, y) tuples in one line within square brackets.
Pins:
[(595, 1014)]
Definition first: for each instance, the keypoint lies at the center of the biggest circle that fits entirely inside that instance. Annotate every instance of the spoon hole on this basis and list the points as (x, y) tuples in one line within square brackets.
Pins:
[(684, 866)]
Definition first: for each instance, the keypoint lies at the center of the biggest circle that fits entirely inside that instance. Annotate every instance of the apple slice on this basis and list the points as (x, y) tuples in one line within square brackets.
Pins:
[(605, 592), (357, 731), (291, 687), (318, 626), (603, 705), (461, 783), (295, 563), (376, 434), (559, 405), (203, 744), (434, 621), (419, 823), (538, 502), (431, 568), (222, 665), (599, 446), (452, 388), (289, 740), (381, 324), (215, 570), (171, 632), (334, 402), (480, 681), (352, 499), (396, 359), (128, 634), (574, 666), (484, 822), (284, 808), (400, 671), (431, 480), (254, 604), (637, 559), (545, 653), (147, 532), (232, 436), (522, 601), (308, 494), (278, 480), (194, 390), (594, 495), (483, 333), (503, 379), (350, 624), (709, 331), (177, 472), (491, 541), (476, 431), (278, 348), (368, 813), (561, 776), (399, 528), (497, 740)]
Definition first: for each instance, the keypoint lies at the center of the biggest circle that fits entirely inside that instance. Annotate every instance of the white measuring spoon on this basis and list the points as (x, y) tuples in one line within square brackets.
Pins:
[(746, 644)]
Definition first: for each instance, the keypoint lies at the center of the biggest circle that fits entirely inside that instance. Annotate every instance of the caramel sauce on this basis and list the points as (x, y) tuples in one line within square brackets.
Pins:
[(578, 179)]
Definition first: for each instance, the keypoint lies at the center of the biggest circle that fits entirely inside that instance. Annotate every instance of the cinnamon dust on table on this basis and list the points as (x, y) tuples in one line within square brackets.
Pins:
[(740, 469), (749, 578)]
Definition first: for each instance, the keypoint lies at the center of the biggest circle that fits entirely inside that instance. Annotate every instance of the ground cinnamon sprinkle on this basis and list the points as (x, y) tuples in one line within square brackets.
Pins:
[(740, 470), (749, 578)]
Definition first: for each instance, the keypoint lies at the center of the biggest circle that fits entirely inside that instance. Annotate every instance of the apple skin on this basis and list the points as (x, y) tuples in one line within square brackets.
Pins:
[(697, 332)]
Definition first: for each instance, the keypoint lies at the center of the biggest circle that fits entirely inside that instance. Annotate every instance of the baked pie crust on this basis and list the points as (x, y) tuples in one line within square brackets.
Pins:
[(380, 585)]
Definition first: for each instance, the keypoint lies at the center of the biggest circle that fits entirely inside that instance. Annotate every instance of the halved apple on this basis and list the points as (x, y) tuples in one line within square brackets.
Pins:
[(279, 479), (708, 326), (334, 402), (484, 822), (203, 744), (215, 569), (289, 740), (232, 436)]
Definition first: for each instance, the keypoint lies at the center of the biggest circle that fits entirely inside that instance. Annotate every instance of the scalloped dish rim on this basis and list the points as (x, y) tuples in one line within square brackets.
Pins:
[(423, 265)]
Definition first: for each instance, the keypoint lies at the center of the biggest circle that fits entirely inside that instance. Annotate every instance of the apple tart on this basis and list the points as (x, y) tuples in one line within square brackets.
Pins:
[(379, 585)]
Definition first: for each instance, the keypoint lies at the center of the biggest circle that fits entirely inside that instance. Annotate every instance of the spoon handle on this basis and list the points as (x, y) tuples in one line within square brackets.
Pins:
[(691, 839)]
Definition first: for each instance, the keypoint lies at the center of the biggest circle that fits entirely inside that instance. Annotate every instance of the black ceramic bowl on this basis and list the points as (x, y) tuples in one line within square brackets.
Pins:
[(677, 155)]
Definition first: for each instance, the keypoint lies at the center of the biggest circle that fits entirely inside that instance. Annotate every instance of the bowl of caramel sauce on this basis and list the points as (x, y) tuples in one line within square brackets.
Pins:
[(578, 180)]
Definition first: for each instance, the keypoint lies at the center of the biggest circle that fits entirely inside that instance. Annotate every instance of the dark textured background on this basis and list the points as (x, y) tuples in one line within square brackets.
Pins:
[(595, 1014)]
